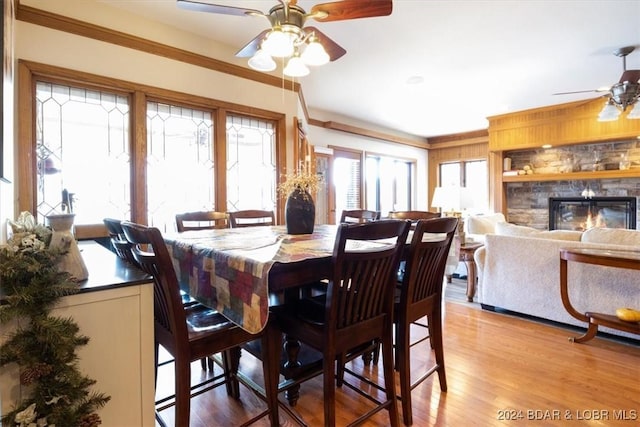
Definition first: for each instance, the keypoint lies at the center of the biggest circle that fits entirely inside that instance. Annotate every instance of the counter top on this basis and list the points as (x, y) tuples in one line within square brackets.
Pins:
[(106, 270)]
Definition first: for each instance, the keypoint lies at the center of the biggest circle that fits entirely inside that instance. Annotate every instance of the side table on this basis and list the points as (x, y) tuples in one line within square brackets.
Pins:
[(466, 255), (608, 258)]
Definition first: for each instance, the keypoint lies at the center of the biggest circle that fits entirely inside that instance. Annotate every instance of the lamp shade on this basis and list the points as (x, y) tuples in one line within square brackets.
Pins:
[(635, 112), (295, 67), (609, 112), (452, 198), (262, 61), (314, 54), (279, 44)]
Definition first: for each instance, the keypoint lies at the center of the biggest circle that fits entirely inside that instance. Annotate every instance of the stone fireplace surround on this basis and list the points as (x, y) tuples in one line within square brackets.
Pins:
[(528, 202)]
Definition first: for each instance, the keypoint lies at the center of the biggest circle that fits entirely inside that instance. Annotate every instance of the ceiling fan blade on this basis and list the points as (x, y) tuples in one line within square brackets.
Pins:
[(350, 9), (630, 76), (216, 8), (333, 49), (581, 91), (252, 47)]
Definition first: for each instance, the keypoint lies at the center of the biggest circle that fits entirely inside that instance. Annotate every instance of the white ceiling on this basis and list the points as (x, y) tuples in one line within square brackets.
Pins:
[(476, 58)]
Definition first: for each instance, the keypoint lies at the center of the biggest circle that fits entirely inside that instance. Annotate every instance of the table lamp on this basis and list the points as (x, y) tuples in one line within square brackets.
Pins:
[(452, 200)]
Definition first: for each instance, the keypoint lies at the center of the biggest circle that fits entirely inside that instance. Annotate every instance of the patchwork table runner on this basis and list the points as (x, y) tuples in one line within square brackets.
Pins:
[(228, 269)]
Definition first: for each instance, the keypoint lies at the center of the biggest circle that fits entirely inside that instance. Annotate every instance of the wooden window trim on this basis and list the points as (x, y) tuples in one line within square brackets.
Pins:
[(30, 72)]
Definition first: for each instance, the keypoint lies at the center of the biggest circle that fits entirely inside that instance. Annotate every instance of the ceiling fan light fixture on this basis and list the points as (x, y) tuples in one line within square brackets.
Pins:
[(279, 44), (609, 113), (296, 67), (262, 61), (635, 112), (314, 53)]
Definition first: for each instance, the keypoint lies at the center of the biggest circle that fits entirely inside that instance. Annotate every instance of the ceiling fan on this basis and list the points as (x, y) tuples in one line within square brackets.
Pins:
[(622, 94), (288, 35)]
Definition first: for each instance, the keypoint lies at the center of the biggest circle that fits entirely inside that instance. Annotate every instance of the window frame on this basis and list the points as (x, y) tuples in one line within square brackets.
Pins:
[(30, 72), (411, 178)]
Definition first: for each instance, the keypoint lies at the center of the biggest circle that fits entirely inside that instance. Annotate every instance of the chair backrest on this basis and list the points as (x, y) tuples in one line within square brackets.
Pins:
[(119, 242), (363, 281), (151, 254), (251, 218), (414, 215), (425, 266), (359, 216), (203, 220)]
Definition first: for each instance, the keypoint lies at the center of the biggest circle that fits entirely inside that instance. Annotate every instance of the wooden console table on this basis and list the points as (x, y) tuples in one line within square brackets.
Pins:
[(466, 255), (607, 258)]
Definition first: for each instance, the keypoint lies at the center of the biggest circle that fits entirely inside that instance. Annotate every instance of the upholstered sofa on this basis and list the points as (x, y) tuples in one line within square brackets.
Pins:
[(519, 271)]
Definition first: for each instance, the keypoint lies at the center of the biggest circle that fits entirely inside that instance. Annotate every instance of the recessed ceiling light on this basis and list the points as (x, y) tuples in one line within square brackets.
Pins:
[(545, 146), (415, 80)]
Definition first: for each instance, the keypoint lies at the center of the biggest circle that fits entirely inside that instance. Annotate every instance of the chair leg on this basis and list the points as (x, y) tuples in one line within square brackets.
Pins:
[(183, 392), (328, 367), (435, 330), (342, 360), (389, 379), (402, 351), (376, 353), (230, 365)]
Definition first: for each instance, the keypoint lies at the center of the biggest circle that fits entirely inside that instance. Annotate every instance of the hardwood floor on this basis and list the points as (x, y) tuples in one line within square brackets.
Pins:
[(501, 370)]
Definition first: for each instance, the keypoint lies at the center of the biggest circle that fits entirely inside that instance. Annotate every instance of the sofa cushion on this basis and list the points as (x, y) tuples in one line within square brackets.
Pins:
[(508, 229), (484, 224), (617, 236)]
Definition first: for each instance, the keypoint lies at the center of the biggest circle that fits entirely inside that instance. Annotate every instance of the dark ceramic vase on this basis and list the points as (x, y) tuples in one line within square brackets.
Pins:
[(300, 212)]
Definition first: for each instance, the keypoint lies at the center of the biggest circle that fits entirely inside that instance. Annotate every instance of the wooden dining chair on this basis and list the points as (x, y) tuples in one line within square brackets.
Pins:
[(251, 218), (359, 215), (420, 296), (119, 242), (201, 220), (189, 333), (357, 309)]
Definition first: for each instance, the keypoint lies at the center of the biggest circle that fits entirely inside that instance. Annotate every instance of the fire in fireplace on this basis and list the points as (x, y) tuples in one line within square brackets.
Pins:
[(578, 213)]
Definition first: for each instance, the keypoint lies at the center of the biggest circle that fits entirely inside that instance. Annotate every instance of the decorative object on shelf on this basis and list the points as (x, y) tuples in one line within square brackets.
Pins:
[(300, 210), (588, 193), (63, 239), (625, 163), (54, 391)]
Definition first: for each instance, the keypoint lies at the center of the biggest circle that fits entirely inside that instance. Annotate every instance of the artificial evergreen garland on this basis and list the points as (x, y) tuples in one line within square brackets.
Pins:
[(43, 346)]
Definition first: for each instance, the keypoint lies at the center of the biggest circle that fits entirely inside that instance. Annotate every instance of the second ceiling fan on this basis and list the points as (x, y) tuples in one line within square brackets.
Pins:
[(624, 93), (289, 37)]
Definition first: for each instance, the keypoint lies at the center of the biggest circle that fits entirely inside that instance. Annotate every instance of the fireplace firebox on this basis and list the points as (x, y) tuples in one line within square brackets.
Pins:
[(579, 213)]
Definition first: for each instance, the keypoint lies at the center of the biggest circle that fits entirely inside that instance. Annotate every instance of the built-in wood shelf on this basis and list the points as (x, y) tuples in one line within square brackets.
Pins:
[(574, 176)]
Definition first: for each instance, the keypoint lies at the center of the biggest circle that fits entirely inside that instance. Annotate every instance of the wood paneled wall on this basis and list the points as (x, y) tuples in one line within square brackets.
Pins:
[(565, 124), (455, 148)]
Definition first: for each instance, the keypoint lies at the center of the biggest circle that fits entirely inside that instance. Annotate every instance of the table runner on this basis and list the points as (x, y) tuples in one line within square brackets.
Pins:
[(228, 269)]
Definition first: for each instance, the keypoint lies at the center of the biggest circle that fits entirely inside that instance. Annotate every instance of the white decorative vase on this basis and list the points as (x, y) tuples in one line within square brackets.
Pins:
[(64, 239)]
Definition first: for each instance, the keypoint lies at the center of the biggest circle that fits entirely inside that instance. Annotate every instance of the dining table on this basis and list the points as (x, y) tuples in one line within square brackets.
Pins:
[(240, 271)]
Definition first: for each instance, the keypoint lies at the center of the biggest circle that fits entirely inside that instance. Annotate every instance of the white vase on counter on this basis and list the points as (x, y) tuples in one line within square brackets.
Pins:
[(64, 239)]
